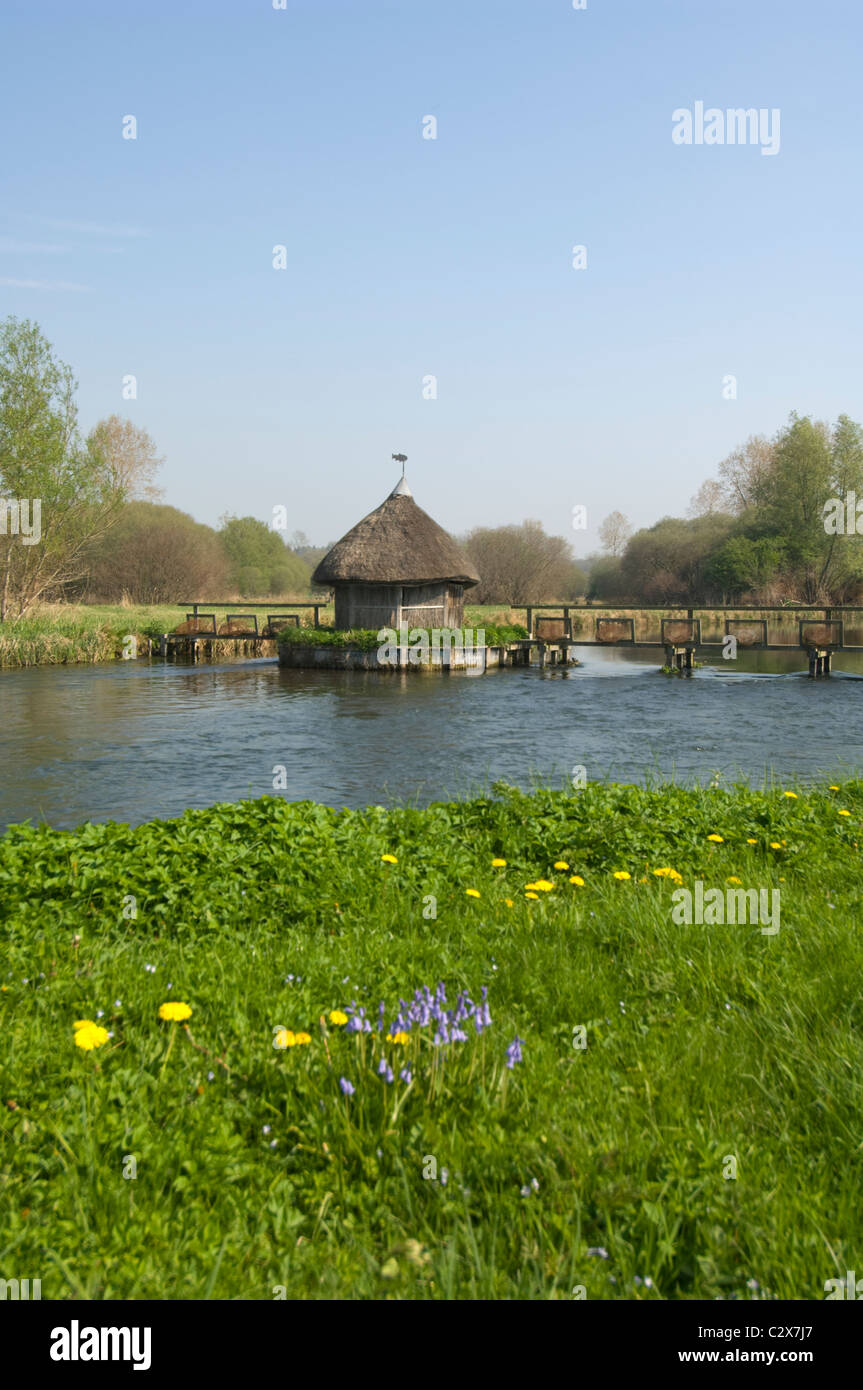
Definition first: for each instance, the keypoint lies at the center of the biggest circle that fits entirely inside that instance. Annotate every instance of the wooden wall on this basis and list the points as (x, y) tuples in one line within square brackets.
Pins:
[(390, 605), (368, 605)]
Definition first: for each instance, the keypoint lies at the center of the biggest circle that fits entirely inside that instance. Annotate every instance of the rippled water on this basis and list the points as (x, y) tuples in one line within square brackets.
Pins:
[(130, 741)]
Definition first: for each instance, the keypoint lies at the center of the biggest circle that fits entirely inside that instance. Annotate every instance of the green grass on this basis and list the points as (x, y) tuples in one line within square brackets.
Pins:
[(60, 633), (701, 1043)]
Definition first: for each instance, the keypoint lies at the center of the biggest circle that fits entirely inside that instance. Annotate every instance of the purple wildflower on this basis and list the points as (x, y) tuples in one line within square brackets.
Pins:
[(382, 1066), (405, 1075), (513, 1052), (347, 1088)]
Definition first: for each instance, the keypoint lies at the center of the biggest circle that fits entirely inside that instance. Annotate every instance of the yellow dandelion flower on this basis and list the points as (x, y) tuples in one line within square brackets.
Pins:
[(401, 1039), (561, 864), (833, 787), (174, 1012), (336, 1016), (844, 813), (472, 892), (83, 1023), (543, 885), (389, 859), (774, 844), (302, 1038), (535, 896), (732, 879), (508, 902), (717, 839), (621, 874), (752, 842), (498, 863), (284, 1038), (90, 1036), (792, 795), (577, 880)]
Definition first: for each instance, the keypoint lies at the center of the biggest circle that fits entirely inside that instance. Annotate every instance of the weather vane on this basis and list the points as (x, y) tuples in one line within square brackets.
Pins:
[(402, 459)]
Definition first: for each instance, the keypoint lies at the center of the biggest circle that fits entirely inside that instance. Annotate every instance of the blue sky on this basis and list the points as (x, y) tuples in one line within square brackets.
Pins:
[(452, 257)]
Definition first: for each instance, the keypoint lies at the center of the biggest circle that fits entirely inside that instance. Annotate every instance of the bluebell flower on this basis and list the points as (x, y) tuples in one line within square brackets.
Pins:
[(513, 1052), (389, 1078), (405, 1075), (347, 1088), (382, 1066)]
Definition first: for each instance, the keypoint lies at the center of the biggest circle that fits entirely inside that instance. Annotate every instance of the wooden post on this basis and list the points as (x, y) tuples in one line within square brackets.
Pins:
[(530, 622)]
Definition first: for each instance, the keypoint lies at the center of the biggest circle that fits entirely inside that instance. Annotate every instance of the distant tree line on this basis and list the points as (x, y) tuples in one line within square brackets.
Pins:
[(756, 533)]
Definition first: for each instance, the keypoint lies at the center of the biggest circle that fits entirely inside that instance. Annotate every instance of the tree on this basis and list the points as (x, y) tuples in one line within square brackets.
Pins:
[(46, 471), (521, 564), (614, 533), (790, 496), (157, 554), (258, 561), (130, 454), (743, 472), (666, 563), (604, 579), (710, 497)]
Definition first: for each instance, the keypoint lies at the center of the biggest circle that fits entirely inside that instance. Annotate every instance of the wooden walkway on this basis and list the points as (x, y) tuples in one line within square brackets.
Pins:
[(820, 631)]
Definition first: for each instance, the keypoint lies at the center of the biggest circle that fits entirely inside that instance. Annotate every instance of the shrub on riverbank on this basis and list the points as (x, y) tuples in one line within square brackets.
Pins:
[(368, 639), (271, 1140)]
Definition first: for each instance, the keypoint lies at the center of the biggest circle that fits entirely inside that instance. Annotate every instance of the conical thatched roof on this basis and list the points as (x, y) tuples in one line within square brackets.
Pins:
[(397, 543)]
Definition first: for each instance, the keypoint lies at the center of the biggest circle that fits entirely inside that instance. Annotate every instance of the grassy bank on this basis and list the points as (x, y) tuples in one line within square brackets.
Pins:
[(61, 634), (223, 1155)]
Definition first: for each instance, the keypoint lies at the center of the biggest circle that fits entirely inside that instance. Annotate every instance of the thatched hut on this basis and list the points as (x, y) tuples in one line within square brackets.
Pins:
[(397, 567)]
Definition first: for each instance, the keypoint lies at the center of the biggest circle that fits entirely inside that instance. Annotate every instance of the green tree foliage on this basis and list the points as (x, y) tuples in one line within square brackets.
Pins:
[(156, 554), (47, 469), (758, 532), (666, 562), (258, 561)]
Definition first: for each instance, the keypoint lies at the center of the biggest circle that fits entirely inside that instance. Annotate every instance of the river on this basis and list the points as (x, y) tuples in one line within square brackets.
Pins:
[(130, 741)]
